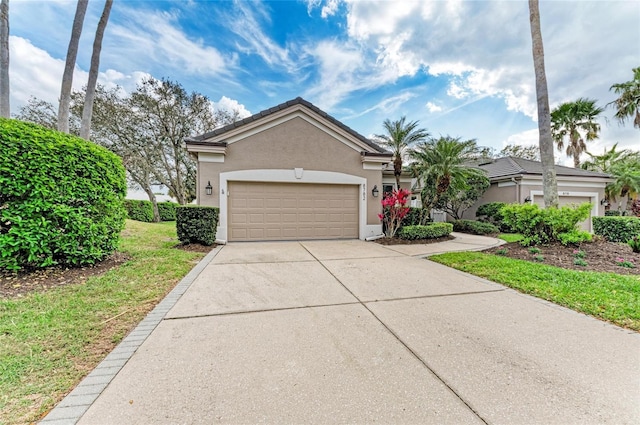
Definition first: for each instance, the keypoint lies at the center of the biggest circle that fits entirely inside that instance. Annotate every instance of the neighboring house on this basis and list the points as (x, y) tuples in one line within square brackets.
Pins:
[(290, 172), (520, 180)]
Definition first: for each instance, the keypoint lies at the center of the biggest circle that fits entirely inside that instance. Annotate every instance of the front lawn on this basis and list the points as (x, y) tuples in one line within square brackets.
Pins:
[(49, 340), (607, 296)]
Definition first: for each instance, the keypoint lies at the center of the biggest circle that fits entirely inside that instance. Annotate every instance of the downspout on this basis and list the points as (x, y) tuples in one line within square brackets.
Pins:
[(518, 189)]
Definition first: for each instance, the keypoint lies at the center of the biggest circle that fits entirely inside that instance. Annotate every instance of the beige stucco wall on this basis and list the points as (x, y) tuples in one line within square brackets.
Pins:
[(494, 193), (293, 144)]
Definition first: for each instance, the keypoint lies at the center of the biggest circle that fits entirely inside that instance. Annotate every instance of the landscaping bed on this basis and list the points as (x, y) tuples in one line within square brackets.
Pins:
[(398, 241), (599, 255)]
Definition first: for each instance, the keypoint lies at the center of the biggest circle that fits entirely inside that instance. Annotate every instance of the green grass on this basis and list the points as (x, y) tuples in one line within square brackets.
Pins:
[(50, 340), (511, 237), (608, 296)]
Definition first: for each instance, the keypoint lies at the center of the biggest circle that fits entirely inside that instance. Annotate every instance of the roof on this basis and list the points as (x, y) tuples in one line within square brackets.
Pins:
[(260, 115), (511, 166)]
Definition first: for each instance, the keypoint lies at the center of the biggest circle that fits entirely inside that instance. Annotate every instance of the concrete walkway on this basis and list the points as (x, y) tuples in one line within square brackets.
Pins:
[(356, 332)]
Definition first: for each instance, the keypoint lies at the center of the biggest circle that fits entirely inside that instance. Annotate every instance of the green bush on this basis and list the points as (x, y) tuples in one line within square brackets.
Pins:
[(539, 225), (196, 224), (167, 211), (492, 213), (475, 227), (429, 231), (634, 243), (413, 217), (61, 198), (613, 213), (139, 210), (616, 229), (574, 237)]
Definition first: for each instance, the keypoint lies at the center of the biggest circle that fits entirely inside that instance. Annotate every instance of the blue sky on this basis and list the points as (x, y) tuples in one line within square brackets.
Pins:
[(461, 68)]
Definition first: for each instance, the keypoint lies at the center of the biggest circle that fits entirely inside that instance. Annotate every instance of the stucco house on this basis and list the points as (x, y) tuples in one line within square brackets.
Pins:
[(520, 180), (290, 172)]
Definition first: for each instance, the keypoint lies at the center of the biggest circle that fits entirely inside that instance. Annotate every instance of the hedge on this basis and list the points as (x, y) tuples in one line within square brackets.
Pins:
[(429, 231), (197, 224), (167, 211), (139, 210), (616, 229), (61, 198), (475, 227)]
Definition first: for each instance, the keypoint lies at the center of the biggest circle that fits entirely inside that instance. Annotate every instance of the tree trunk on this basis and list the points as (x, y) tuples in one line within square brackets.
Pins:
[(67, 76), (154, 202), (87, 111), (576, 161), (397, 170), (549, 182), (5, 107)]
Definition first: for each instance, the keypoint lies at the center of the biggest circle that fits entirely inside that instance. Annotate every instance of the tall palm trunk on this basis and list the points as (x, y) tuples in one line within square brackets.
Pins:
[(5, 107), (549, 182), (67, 76), (87, 111)]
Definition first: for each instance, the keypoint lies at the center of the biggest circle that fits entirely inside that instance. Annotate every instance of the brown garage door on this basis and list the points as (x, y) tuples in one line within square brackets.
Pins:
[(289, 211), (570, 200)]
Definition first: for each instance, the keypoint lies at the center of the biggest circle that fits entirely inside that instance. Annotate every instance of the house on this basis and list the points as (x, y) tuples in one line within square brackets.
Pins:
[(290, 172), (520, 180)]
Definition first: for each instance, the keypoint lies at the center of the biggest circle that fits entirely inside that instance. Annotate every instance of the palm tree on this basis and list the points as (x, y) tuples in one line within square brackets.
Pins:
[(5, 109), (628, 104), (620, 165), (569, 119), (549, 182), (399, 138), (439, 164), (87, 111), (67, 76)]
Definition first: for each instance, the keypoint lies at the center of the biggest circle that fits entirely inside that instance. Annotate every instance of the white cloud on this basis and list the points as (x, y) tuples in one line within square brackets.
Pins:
[(388, 105), (525, 138), (330, 8), (232, 105), (154, 37), (432, 107)]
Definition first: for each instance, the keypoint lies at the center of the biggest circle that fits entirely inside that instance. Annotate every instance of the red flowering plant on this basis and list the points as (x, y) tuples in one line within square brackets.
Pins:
[(394, 209)]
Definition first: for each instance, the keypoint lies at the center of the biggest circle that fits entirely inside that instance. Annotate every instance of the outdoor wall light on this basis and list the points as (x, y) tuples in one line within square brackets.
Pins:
[(604, 202), (527, 199), (208, 188), (375, 191)]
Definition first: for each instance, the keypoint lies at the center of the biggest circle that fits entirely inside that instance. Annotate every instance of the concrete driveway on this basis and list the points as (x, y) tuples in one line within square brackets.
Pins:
[(355, 332)]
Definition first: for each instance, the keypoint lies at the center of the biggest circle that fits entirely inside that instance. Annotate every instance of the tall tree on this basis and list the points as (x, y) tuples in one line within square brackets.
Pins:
[(439, 165), (67, 76), (400, 136), (571, 119), (549, 181), (85, 126), (518, 151), (5, 106), (628, 103), (623, 166)]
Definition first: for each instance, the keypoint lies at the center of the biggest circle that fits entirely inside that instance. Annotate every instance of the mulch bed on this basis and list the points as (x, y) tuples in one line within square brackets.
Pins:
[(17, 284), (600, 255), (195, 247), (398, 241)]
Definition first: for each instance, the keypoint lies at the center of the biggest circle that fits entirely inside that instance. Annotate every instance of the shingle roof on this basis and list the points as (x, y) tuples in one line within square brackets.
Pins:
[(509, 166), (280, 107)]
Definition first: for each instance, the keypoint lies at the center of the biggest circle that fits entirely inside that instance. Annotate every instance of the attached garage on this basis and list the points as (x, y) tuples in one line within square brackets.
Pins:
[(289, 211), (291, 172)]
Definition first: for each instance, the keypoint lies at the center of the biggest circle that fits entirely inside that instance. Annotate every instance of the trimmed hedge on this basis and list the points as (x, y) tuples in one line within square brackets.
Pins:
[(616, 229), (139, 210), (475, 227), (61, 198), (167, 211), (197, 224), (429, 231)]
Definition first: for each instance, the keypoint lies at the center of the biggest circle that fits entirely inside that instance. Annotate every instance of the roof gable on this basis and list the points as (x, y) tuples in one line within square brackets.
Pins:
[(296, 108), (512, 166)]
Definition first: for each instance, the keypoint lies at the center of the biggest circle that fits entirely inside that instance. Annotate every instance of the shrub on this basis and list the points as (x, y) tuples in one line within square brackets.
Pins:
[(616, 229), (539, 226), (574, 237), (196, 224), (492, 213), (139, 210), (413, 217), (394, 210), (167, 211), (612, 213), (61, 198), (475, 227), (428, 231), (634, 243)]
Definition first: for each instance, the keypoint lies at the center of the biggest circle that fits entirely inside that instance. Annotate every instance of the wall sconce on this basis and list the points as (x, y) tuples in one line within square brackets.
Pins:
[(604, 202), (527, 199), (375, 191), (208, 188)]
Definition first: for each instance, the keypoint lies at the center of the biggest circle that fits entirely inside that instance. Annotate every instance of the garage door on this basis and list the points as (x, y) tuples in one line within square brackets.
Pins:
[(288, 211), (570, 200)]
